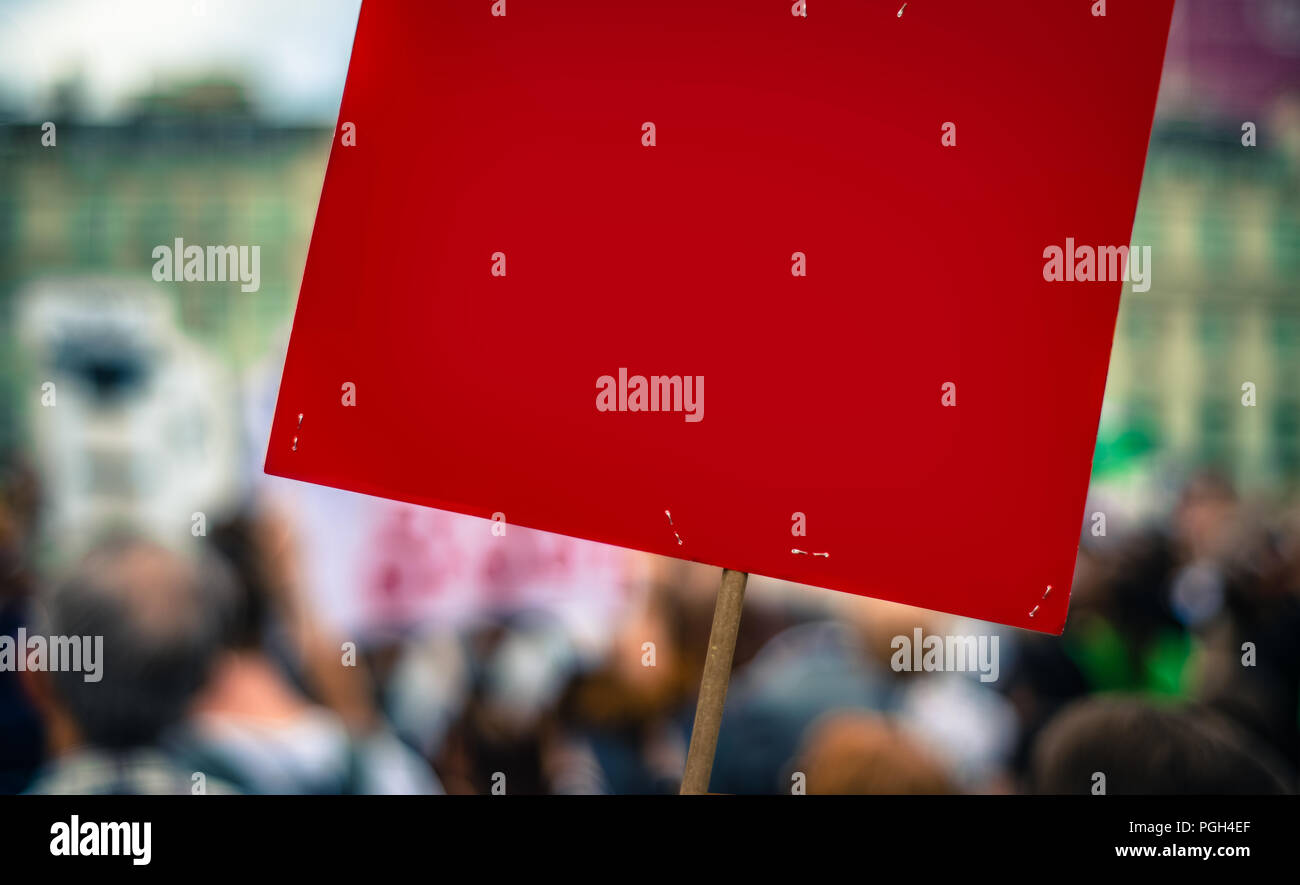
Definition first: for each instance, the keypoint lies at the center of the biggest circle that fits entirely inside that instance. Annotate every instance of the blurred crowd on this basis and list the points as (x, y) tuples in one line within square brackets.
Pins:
[(1179, 672)]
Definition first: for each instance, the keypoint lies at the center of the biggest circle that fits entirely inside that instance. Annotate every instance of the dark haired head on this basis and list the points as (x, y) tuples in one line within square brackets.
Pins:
[(1143, 748), (159, 616)]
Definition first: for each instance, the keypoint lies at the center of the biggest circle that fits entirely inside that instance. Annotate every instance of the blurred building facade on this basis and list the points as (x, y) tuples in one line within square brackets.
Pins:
[(1223, 310), (1223, 221), (192, 162)]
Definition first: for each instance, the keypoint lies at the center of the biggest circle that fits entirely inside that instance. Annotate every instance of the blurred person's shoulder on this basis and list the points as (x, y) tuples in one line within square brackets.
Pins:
[(138, 772), (311, 752)]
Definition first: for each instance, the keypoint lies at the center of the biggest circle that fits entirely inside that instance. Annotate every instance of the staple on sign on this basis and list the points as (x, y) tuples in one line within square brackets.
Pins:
[(670, 522), (295, 443), (900, 10), (808, 553), (1044, 596)]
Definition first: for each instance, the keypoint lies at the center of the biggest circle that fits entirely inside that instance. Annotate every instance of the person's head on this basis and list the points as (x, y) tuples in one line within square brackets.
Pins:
[(1204, 511), (863, 753), (1142, 748), (237, 541), (159, 615)]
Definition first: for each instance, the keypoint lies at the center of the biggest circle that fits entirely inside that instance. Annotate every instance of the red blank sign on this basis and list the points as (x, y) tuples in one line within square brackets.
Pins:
[(792, 241)]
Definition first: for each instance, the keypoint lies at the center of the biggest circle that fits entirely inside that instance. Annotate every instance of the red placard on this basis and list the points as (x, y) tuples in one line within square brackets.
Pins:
[(498, 240)]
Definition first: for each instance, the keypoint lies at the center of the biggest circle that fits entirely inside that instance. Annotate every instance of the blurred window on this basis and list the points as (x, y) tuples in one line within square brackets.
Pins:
[(1216, 427)]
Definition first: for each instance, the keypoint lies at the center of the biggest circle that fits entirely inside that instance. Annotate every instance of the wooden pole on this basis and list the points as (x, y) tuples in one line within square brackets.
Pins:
[(713, 685)]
